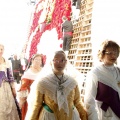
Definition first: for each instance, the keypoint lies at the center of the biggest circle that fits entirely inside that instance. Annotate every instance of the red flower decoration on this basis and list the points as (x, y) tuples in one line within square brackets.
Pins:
[(61, 7), (61, 45)]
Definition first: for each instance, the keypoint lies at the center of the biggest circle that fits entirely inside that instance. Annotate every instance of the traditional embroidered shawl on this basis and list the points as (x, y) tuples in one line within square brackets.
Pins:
[(49, 86), (108, 90), (107, 78)]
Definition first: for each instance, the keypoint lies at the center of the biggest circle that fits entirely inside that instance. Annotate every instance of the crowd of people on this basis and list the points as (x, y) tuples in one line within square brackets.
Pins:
[(51, 91)]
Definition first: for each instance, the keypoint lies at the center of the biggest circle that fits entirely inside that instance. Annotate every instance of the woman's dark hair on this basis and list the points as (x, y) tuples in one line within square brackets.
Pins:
[(59, 51), (32, 58), (107, 44)]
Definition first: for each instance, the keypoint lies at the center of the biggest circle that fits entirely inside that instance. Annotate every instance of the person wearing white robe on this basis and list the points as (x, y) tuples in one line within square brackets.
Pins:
[(102, 95)]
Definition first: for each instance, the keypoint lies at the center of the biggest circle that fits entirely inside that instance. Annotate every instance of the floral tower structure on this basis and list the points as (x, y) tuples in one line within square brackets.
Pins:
[(45, 28)]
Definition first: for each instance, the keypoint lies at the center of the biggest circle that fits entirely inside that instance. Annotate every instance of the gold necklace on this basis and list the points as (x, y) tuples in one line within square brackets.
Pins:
[(58, 77), (60, 87)]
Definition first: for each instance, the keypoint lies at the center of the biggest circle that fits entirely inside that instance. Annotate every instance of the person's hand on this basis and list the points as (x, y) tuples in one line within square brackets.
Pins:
[(20, 74), (20, 104), (22, 101)]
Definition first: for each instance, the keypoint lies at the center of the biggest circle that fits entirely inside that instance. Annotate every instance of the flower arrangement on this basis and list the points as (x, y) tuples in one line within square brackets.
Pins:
[(50, 14), (51, 6)]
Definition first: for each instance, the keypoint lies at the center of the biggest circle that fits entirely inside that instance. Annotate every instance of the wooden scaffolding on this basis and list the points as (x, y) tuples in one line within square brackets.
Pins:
[(80, 53)]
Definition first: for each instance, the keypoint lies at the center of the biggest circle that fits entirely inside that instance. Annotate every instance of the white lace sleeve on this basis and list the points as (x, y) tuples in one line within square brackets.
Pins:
[(23, 93)]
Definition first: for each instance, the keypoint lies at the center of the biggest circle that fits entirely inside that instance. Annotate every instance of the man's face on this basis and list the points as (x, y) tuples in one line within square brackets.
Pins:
[(15, 57)]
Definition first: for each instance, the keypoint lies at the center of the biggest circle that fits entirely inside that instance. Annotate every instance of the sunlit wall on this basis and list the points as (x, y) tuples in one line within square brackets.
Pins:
[(105, 23), (14, 20)]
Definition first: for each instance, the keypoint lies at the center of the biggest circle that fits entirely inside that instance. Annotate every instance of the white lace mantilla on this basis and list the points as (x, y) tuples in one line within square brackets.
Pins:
[(30, 75)]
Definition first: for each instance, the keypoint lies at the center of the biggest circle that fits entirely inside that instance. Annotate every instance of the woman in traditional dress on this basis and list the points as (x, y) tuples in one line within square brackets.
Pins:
[(33, 70), (102, 95), (8, 103), (55, 93)]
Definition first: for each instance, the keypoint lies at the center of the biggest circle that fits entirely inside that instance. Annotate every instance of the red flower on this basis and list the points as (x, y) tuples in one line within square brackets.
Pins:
[(61, 45)]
